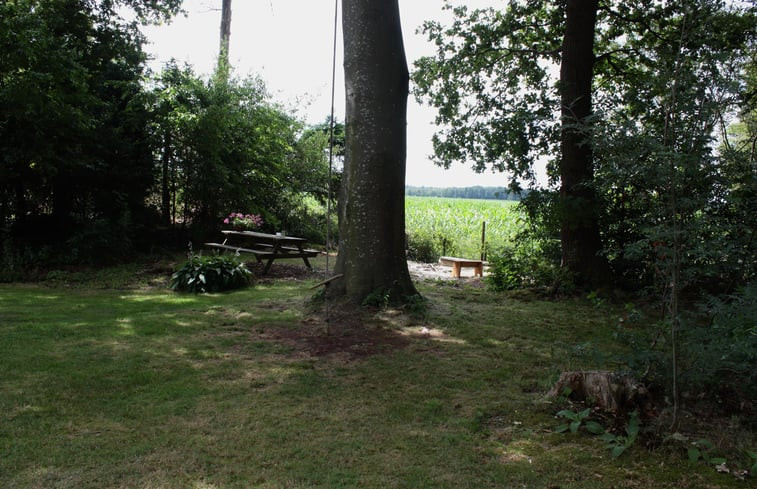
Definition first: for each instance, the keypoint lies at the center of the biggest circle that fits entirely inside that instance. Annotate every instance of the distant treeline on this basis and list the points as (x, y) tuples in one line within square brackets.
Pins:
[(477, 192)]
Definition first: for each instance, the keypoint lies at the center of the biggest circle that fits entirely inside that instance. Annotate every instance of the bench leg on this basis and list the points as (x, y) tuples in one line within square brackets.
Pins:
[(267, 266), (456, 270), (307, 263)]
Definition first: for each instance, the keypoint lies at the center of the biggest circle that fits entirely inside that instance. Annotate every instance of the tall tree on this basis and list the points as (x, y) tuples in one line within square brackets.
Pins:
[(225, 39), (372, 210), (579, 230), (492, 84), (72, 128), (500, 105)]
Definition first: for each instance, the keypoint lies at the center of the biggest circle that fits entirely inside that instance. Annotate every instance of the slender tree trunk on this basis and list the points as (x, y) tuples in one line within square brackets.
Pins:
[(580, 239), (225, 41), (166, 194), (372, 206)]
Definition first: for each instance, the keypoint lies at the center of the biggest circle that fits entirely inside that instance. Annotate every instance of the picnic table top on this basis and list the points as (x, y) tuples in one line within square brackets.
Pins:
[(265, 236)]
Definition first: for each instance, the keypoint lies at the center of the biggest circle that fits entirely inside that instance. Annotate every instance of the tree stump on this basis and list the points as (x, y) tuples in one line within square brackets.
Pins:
[(607, 390)]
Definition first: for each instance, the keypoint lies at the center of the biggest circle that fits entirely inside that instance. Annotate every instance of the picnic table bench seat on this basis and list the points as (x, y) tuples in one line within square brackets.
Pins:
[(239, 249), (308, 252)]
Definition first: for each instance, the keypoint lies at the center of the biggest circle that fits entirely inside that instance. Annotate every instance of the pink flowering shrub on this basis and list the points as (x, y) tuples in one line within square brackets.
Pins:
[(245, 222)]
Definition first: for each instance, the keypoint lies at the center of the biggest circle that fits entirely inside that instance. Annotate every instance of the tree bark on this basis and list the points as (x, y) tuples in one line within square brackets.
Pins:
[(579, 235), (165, 191), (225, 40), (372, 205)]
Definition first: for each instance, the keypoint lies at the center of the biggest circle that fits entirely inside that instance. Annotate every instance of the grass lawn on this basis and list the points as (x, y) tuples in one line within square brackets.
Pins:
[(109, 382)]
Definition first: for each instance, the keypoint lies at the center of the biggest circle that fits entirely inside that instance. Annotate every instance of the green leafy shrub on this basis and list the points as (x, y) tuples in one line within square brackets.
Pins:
[(720, 355), (703, 449), (717, 349), (202, 274), (524, 263), (19, 262), (620, 443), (98, 241), (427, 248)]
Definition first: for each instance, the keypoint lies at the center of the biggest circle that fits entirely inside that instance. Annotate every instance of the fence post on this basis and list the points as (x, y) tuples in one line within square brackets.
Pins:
[(483, 240)]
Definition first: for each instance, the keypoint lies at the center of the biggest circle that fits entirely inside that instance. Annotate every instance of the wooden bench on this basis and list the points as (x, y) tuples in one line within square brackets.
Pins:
[(458, 264)]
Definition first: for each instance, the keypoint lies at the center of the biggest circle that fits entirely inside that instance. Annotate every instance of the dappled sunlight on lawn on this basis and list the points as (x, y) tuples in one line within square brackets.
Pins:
[(431, 334), (47, 297), (168, 298), (125, 327)]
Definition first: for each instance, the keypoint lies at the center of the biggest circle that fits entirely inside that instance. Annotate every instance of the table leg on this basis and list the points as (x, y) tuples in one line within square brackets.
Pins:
[(274, 252), (304, 258), (456, 270)]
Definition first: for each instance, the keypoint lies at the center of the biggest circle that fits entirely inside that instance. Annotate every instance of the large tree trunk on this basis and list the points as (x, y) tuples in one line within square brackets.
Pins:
[(372, 207), (581, 243)]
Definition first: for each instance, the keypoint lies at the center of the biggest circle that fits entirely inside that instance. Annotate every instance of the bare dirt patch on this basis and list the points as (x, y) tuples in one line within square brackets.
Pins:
[(351, 336), (282, 271), (354, 332)]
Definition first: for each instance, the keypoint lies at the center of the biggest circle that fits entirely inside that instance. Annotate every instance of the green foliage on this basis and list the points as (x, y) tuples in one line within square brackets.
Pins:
[(94, 156), (98, 241), (224, 145), (620, 443), (416, 305), (307, 218), (217, 273), (532, 257), (506, 118), (72, 124), (576, 419), (652, 136), (703, 450), (521, 264), (17, 263), (720, 356), (380, 298), (427, 248), (616, 443), (717, 349)]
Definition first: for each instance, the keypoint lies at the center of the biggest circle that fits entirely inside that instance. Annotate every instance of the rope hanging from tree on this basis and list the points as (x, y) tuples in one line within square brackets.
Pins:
[(327, 280), (331, 136)]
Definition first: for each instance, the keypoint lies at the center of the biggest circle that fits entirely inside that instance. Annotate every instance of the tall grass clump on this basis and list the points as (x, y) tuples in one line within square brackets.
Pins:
[(443, 226)]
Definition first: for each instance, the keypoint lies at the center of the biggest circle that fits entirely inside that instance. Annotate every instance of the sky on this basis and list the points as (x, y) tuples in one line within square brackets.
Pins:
[(289, 44)]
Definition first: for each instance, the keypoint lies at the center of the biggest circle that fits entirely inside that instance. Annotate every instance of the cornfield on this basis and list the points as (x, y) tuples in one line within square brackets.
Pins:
[(441, 226)]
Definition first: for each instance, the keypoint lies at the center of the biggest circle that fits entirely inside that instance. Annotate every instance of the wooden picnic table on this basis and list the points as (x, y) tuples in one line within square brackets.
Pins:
[(265, 246)]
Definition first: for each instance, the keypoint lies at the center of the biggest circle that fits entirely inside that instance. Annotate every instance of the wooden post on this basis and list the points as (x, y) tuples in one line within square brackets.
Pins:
[(483, 241)]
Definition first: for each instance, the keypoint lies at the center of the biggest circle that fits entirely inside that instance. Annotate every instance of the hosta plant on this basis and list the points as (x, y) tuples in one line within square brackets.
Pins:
[(202, 274)]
